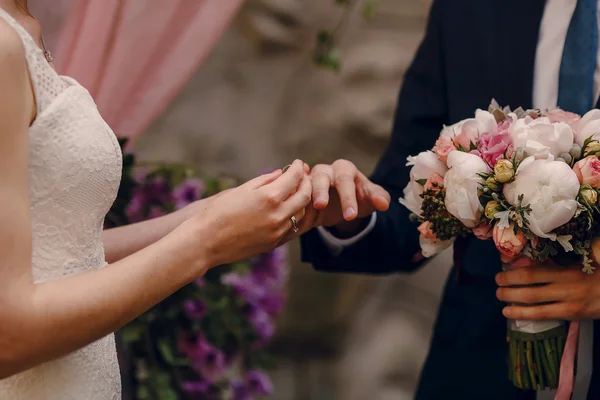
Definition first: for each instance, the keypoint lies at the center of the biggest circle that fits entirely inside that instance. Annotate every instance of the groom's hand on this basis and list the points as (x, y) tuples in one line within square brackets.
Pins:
[(561, 293), (343, 197)]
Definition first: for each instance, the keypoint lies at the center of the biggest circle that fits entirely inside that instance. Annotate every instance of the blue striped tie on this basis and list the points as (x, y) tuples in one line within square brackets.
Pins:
[(576, 80)]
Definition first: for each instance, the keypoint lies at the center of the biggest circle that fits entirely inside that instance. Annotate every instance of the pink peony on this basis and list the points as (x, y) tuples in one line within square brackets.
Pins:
[(504, 125), (468, 136), (568, 118), (434, 179), (507, 242), (443, 147), (483, 231), (492, 146), (588, 171), (426, 232)]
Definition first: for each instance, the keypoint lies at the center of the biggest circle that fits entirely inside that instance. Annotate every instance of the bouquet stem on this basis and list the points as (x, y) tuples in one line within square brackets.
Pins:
[(535, 358)]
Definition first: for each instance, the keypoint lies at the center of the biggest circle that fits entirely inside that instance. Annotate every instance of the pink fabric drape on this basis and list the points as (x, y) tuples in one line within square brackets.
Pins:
[(134, 56)]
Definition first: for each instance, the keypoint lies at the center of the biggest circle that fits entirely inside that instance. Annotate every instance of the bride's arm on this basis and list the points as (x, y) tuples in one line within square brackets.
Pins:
[(125, 240), (43, 321)]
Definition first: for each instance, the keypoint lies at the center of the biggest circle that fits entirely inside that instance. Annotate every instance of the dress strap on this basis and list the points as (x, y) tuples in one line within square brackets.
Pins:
[(40, 72)]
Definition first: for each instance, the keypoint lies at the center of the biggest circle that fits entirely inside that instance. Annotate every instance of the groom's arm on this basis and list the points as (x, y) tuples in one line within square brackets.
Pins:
[(389, 241)]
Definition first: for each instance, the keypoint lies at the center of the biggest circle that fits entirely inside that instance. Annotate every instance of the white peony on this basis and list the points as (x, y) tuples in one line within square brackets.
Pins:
[(550, 188), (589, 126), (423, 166), (541, 137), (462, 186), (430, 248), (483, 122)]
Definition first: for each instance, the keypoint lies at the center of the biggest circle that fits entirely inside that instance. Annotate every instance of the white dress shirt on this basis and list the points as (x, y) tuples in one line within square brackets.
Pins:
[(551, 41)]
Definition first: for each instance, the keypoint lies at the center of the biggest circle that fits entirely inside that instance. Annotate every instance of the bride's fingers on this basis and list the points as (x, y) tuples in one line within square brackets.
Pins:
[(282, 188), (298, 201), (265, 179), (288, 232)]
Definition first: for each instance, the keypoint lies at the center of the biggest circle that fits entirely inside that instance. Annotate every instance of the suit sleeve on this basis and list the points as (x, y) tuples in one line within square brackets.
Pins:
[(420, 115)]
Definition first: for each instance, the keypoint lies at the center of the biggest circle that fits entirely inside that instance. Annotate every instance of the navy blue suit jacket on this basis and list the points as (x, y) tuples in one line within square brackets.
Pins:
[(473, 51)]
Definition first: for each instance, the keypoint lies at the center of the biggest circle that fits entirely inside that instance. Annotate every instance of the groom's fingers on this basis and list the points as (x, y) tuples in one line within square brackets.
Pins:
[(538, 274), (561, 311), (346, 175), (534, 294), (322, 178)]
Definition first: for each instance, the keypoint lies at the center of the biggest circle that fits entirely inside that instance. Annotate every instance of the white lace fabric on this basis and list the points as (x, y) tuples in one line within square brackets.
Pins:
[(75, 171)]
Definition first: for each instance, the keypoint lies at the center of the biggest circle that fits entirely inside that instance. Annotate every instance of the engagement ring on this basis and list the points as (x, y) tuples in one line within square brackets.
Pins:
[(294, 224)]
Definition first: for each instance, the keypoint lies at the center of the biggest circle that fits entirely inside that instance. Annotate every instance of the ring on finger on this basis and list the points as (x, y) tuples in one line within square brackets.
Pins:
[(286, 168), (295, 228)]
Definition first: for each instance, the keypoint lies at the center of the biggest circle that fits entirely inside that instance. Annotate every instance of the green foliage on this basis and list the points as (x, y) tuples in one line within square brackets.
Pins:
[(327, 53)]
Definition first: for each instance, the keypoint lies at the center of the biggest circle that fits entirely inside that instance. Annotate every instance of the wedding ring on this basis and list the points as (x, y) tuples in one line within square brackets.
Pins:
[(294, 224), (286, 168)]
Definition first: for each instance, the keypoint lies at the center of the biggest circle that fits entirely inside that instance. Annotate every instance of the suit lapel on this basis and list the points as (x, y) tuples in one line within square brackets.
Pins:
[(515, 36)]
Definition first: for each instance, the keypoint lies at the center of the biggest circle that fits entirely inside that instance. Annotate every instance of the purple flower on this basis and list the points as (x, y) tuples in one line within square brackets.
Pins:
[(273, 302), (195, 388), (149, 196), (239, 391), (207, 360), (262, 323), (156, 212), (187, 192), (135, 209), (271, 267), (246, 286), (195, 309), (200, 282), (258, 384), (153, 191)]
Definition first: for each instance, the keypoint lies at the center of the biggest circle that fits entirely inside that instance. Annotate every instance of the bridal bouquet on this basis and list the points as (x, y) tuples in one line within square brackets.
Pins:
[(529, 181)]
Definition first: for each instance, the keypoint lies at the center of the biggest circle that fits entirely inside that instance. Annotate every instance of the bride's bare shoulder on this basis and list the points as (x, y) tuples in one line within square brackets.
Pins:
[(12, 52), (16, 97)]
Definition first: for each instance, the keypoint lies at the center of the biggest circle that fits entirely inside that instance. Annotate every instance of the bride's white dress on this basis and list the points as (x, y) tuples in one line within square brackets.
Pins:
[(74, 171)]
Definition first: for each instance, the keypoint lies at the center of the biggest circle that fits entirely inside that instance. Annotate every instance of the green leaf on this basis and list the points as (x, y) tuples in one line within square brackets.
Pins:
[(472, 146), (165, 350), (324, 37), (132, 332), (460, 148), (167, 394), (143, 392), (167, 354), (370, 8), (421, 182)]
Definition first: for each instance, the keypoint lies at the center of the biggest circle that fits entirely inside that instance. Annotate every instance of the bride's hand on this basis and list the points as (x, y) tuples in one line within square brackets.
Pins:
[(253, 218)]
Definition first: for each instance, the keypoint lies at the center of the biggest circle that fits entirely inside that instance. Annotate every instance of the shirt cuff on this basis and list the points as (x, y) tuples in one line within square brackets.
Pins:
[(337, 245)]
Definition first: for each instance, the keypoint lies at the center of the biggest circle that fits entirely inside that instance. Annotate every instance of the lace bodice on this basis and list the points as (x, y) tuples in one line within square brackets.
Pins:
[(74, 171)]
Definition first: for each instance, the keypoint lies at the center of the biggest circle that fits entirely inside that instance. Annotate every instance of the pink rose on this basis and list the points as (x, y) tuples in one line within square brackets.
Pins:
[(443, 147), (426, 232), (483, 231), (507, 242), (492, 146), (568, 118), (510, 152), (434, 182), (588, 171)]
